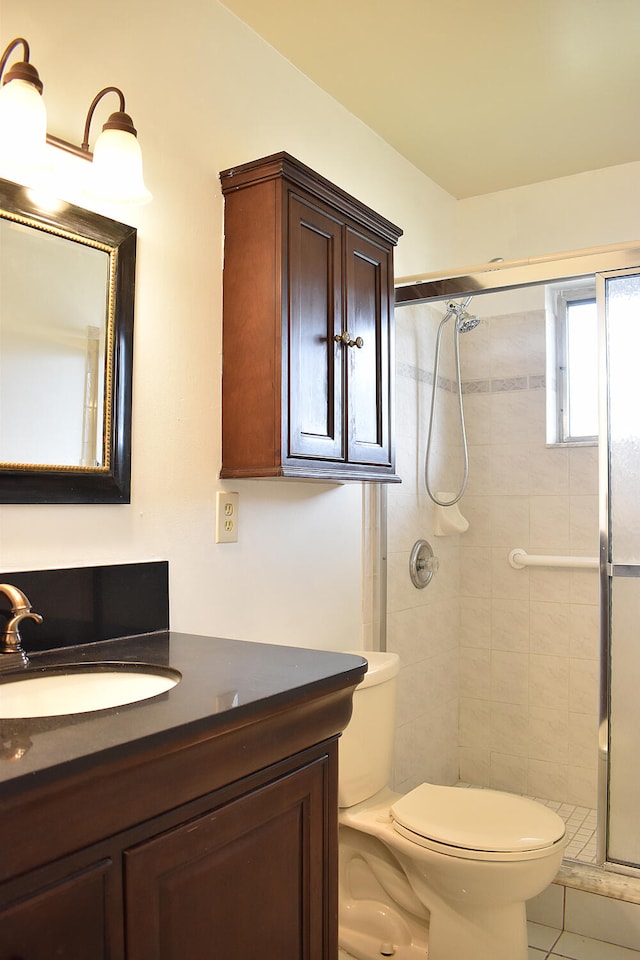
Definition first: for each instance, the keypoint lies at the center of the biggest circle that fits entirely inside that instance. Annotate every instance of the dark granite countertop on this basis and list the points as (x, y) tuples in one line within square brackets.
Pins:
[(222, 681)]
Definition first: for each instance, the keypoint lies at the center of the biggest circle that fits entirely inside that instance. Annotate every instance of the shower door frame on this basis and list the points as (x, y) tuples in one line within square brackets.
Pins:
[(609, 571), (599, 263)]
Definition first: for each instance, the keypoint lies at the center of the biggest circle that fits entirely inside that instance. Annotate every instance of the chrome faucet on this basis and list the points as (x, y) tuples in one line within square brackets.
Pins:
[(10, 641)]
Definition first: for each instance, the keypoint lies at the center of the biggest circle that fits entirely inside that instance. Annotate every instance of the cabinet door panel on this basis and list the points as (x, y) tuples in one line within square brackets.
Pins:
[(315, 310), (66, 920), (245, 881), (368, 315)]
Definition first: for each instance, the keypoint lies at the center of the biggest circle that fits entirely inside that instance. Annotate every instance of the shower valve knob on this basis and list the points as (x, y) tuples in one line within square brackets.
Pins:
[(347, 341), (423, 564)]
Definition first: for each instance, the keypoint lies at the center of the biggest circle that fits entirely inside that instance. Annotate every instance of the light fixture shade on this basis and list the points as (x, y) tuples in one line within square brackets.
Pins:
[(23, 129), (116, 170)]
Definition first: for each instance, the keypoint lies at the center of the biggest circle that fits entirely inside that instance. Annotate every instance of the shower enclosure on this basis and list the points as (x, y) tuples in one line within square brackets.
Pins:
[(522, 679), (620, 517)]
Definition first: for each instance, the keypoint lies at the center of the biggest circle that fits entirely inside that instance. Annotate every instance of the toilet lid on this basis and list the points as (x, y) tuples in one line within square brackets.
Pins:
[(477, 819)]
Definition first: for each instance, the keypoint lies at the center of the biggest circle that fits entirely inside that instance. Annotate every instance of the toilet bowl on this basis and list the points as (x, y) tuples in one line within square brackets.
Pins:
[(440, 870)]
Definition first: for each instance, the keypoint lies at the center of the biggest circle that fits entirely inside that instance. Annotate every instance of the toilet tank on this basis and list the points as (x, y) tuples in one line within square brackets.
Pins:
[(366, 745)]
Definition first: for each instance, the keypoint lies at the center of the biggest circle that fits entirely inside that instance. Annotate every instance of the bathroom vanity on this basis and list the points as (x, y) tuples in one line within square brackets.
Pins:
[(199, 823)]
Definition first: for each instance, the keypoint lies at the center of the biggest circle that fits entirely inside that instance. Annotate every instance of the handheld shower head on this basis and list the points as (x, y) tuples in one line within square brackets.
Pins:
[(464, 320)]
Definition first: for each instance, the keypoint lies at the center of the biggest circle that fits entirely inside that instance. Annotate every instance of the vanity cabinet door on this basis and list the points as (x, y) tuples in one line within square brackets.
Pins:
[(66, 920), (251, 879)]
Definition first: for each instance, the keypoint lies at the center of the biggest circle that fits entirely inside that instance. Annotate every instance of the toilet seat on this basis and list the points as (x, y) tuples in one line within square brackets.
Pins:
[(477, 824)]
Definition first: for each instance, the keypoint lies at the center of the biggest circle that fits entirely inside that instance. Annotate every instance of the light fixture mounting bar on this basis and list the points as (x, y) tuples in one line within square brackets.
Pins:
[(69, 147)]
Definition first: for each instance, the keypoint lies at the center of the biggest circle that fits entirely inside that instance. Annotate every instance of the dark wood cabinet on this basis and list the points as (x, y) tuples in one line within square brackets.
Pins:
[(307, 328), (246, 871), (247, 879), (216, 837), (65, 919)]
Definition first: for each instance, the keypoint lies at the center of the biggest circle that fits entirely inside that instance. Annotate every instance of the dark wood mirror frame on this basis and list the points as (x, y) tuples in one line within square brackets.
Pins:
[(110, 483)]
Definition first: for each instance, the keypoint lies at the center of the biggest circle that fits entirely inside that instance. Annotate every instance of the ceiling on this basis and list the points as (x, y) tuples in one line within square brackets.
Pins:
[(481, 95)]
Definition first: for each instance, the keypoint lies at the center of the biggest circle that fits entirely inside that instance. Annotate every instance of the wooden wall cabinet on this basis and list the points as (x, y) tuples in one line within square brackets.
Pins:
[(307, 384)]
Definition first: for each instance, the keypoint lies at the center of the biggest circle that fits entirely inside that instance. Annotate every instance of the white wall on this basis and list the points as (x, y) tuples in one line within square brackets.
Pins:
[(206, 93), (589, 209)]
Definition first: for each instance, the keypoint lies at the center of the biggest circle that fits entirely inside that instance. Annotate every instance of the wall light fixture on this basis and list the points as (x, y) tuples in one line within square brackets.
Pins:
[(116, 161)]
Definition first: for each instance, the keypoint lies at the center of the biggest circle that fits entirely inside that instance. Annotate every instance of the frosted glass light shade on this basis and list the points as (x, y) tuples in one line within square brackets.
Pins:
[(116, 171), (23, 129)]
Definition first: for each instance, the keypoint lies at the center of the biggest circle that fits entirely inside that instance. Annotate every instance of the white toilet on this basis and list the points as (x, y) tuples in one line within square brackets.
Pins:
[(440, 871)]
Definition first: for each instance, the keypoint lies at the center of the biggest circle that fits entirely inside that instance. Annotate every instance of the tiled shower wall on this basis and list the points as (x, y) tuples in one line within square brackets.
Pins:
[(519, 647), (422, 625), (529, 639)]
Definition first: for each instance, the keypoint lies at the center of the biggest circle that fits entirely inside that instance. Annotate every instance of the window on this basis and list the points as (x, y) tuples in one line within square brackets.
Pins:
[(572, 405)]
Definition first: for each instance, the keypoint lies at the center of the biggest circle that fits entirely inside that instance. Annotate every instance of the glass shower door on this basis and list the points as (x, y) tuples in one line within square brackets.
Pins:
[(621, 577)]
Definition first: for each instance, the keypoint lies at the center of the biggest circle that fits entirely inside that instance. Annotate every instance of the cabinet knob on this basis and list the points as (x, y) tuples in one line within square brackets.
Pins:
[(347, 341)]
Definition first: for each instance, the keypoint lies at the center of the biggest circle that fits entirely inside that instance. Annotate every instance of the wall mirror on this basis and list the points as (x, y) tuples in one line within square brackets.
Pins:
[(66, 342)]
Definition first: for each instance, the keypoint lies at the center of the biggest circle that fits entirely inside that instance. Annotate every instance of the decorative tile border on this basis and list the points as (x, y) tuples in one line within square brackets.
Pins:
[(410, 371)]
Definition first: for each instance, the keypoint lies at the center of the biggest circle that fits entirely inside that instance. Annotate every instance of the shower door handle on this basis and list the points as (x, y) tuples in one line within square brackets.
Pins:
[(623, 569)]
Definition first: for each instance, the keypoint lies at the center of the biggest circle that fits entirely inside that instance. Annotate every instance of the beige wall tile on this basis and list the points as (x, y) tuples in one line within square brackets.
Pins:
[(603, 918), (584, 681), (510, 729), (585, 631), (548, 907), (510, 415), (509, 519), (475, 718), (507, 583), (475, 766), (583, 786), (509, 677), (475, 571), (583, 470), (508, 773), (549, 734), (509, 474), (550, 524), (548, 682), (477, 510), (583, 740), (475, 622), (548, 470), (547, 779), (475, 673), (510, 625), (550, 628), (584, 527)]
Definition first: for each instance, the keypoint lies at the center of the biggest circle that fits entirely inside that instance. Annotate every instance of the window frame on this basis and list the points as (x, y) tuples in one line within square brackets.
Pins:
[(558, 374)]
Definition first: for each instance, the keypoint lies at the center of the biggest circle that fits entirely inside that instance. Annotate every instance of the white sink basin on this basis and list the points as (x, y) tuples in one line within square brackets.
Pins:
[(80, 688)]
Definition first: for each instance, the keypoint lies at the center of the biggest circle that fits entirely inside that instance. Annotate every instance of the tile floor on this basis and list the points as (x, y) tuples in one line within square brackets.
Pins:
[(547, 943), (581, 828)]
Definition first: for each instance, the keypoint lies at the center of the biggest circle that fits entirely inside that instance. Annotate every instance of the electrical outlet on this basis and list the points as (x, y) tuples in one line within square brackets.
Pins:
[(227, 517)]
